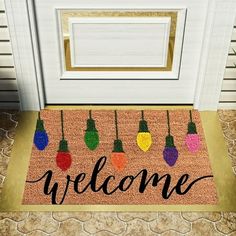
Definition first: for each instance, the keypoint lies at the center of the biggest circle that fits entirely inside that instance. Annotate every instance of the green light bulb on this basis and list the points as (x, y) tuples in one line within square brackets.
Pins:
[(91, 137)]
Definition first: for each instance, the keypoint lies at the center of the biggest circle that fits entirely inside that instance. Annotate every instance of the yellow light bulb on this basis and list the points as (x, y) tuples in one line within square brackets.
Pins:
[(144, 140)]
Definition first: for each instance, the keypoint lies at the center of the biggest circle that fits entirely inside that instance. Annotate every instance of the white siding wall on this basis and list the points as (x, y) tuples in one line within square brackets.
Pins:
[(8, 87), (228, 91)]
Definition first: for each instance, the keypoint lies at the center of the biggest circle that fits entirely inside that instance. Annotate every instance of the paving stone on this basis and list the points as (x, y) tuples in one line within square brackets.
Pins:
[(170, 220), (227, 115), (224, 125), (232, 150), (146, 216), (104, 233), (192, 216), (38, 221), (81, 216), (6, 122), (7, 151), (37, 233), (106, 221), (4, 160), (15, 115), (138, 227), (228, 223), (230, 133), (2, 178), (4, 141), (11, 133), (70, 227), (16, 216), (203, 227), (171, 233), (8, 228)]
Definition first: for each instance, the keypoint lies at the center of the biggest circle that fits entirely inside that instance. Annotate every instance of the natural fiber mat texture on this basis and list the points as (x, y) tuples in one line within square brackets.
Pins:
[(119, 157)]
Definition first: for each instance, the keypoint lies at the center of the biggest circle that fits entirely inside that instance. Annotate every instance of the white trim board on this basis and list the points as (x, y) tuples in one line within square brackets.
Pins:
[(127, 75), (218, 30)]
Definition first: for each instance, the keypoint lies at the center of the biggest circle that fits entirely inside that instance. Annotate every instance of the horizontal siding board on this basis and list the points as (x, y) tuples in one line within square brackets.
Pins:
[(9, 106), (6, 60), (228, 90), (232, 48), (5, 47), (3, 19), (230, 73), (234, 34), (228, 105), (9, 96), (228, 96), (7, 73), (229, 85), (2, 5), (231, 61), (8, 85), (4, 34)]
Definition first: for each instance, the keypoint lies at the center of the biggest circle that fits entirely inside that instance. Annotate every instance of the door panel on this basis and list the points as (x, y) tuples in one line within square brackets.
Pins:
[(77, 69)]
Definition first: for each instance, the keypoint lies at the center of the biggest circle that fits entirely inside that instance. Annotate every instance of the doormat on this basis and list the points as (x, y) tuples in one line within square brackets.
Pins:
[(119, 157), (109, 159)]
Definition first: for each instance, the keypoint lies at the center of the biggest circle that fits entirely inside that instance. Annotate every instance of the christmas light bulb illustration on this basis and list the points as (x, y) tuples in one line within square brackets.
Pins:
[(40, 135), (91, 137), (118, 158), (170, 152), (192, 139), (63, 158), (144, 138)]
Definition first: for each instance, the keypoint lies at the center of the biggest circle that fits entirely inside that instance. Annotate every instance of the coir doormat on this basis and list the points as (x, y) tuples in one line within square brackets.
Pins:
[(111, 159), (119, 157)]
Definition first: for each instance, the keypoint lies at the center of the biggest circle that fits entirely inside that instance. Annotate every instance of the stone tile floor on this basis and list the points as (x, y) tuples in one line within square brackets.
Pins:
[(111, 223)]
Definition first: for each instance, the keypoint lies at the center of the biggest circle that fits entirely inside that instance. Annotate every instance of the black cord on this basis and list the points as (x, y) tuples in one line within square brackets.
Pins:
[(168, 122), (116, 124), (142, 115), (62, 125), (190, 113)]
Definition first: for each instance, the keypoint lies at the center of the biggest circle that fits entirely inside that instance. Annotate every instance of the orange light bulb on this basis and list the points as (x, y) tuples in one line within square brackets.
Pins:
[(118, 160)]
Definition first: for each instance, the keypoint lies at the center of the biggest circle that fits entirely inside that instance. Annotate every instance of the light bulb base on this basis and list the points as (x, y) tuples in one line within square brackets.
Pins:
[(40, 125), (170, 141), (192, 128), (143, 127), (63, 146), (118, 146), (91, 125)]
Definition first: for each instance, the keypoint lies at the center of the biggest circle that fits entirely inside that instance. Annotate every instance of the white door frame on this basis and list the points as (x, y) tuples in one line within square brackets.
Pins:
[(23, 32)]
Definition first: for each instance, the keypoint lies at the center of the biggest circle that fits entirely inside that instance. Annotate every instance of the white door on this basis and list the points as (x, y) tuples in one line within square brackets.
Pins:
[(123, 51)]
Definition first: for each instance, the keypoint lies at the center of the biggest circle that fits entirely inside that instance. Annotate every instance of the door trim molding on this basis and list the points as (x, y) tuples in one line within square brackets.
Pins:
[(23, 32)]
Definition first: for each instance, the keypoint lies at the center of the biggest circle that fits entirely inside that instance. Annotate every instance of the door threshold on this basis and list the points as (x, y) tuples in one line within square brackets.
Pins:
[(117, 106)]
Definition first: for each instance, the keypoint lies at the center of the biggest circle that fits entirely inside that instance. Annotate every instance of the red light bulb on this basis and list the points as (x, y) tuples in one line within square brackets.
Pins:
[(63, 158)]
